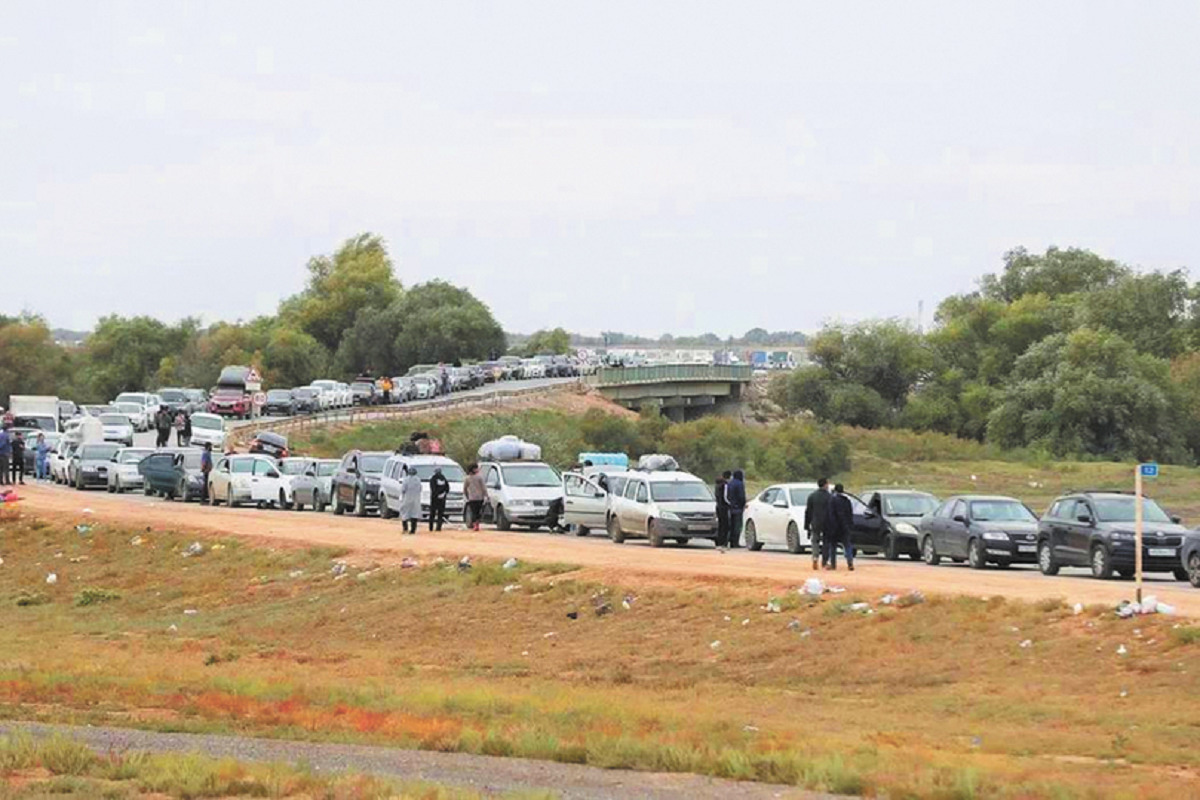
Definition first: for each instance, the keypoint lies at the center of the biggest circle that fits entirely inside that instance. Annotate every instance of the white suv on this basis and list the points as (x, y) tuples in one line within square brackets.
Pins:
[(526, 493), (248, 479), (424, 465), (661, 506)]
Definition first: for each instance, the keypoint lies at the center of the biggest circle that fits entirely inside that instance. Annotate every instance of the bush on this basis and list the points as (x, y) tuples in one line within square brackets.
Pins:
[(91, 596)]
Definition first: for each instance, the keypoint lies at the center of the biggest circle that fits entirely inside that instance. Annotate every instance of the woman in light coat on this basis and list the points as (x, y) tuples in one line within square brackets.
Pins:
[(410, 501)]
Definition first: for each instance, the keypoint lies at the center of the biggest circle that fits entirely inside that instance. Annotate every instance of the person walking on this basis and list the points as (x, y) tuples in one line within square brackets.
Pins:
[(18, 458), (841, 518), (187, 429), (5, 455), (439, 489), (41, 457), (722, 509), (206, 465), (177, 424), (476, 493), (816, 518), (735, 497), (162, 424), (410, 500)]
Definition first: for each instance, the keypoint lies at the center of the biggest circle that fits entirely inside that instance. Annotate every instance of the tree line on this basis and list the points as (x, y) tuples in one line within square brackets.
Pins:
[(1064, 353), (353, 314)]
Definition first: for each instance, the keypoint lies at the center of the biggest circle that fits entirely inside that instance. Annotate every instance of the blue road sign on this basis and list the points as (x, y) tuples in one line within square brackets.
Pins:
[(1148, 470)]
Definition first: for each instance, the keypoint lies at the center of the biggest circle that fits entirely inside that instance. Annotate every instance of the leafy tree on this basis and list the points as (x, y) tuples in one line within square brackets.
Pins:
[(443, 323), (888, 357), (555, 342), (371, 341), (124, 355), (30, 361), (359, 275), (802, 389), (1055, 273), (292, 358), (1151, 311), (1089, 392)]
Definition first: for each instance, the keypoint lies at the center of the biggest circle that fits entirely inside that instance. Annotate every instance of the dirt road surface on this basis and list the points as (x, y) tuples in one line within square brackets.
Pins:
[(631, 563), (484, 774)]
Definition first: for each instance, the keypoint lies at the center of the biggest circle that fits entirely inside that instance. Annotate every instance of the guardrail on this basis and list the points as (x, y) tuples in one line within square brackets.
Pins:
[(359, 414), (667, 373)]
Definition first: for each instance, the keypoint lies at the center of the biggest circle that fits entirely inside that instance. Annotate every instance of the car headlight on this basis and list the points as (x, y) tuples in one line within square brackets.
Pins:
[(670, 516), (995, 536), (1124, 536), (906, 528)]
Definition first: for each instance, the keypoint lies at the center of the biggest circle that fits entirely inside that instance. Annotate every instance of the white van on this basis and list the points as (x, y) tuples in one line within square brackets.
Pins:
[(588, 497), (424, 465), (527, 493), (661, 506)]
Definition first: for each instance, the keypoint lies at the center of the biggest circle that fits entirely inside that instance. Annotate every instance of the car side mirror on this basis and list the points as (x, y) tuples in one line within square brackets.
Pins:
[(599, 493), (960, 518), (780, 504), (272, 474), (1177, 520), (310, 474), (1084, 518)]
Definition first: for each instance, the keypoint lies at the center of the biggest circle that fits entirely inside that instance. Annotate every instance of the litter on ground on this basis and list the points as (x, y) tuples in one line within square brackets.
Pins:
[(52, 578), (510, 564), (409, 563)]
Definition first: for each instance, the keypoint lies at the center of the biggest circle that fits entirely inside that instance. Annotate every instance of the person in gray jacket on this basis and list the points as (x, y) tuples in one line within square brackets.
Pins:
[(410, 500)]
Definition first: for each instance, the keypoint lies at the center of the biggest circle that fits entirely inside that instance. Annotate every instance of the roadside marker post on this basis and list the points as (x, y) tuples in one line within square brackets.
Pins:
[(1143, 472)]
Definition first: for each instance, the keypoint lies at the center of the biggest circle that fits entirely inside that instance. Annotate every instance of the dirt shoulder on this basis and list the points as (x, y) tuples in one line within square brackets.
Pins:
[(377, 539)]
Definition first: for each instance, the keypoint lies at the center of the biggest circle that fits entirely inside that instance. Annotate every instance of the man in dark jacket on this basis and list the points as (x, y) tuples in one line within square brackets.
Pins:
[(162, 425), (816, 515), (439, 487), (841, 518), (18, 458), (722, 509), (735, 496)]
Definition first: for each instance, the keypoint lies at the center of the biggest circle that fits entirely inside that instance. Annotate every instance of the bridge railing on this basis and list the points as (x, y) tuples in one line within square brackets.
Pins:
[(666, 373)]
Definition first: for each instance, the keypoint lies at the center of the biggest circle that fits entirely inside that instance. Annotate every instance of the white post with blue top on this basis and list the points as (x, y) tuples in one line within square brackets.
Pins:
[(1144, 472)]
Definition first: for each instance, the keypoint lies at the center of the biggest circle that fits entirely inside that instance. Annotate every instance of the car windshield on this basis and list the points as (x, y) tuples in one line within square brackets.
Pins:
[(191, 459), (681, 492), (293, 467), (372, 462), (42, 423), (327, 468), (1000, 511), (228, 391), (131, 397), (304, 393), (1122, 509), (530, 475), (279, 394), (129, 408), (114, 419), (453, 472), (361, 387), (172, 396), (908, 505), (211, 423), (98, 452), (134, 456), (799, 497)]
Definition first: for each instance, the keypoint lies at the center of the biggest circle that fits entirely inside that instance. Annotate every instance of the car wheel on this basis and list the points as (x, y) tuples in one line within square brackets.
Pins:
[(385, 510), (1193, 568), (582, 530), (184, 493), (229, 497), (1047, 563), (891, 548), (212, 496), (318, 504), (338, 508), (752, 542), (929, 553), (283, 503), (1126, 573), (502, 521), (79, 481), (614, 530), (653, 534), (112, 489), (1180, 574), (793, 538), (1102, 567), (360, 507), (976, 556)]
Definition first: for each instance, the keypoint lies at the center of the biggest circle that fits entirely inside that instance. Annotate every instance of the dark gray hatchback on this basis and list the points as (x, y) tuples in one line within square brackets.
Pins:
[(1095, 529)]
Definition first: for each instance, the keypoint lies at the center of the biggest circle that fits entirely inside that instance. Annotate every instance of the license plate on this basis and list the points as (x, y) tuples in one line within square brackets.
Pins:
[(1026, 548), (1162, 551), (699, 527)]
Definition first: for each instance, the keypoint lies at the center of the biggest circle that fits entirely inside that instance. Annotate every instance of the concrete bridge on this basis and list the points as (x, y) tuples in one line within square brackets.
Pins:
[(679, 391)]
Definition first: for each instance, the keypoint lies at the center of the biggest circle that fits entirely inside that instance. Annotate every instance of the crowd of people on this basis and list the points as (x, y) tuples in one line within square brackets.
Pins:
[(165, 422)]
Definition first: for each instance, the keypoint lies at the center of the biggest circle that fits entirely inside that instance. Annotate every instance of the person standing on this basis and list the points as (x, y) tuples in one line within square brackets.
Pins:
[(386, 385), (439, 488), (816, 517), (735, 497), (476, 493), (206, 466), (178, 425), (187, 429), (5, 455), (410, 500), (41, 456), (722, 509), (162, 424), (841, 519), (18, 457)]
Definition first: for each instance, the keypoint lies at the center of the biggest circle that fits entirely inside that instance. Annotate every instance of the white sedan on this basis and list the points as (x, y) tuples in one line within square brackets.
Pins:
[(248, 479), (776, 517)]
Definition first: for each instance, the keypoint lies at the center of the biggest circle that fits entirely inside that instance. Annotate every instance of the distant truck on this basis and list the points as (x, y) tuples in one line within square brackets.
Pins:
[(34, 411), (234, 395), (758, 359)]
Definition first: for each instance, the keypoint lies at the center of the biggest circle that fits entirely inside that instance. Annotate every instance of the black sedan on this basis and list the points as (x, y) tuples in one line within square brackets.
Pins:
[(982, 529)]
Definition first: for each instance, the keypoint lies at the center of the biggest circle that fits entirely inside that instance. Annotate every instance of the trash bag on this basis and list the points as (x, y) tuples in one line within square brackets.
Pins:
[(657, 462), (530, 452)]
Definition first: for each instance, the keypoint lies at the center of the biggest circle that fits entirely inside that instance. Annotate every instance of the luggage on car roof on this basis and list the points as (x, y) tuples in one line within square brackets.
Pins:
[(657, 462), (509, 448)]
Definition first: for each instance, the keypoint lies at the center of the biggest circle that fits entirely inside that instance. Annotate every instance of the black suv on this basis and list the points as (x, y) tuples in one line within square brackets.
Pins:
[(885, 521), (1096, 529), (279, 403), (355, 485)]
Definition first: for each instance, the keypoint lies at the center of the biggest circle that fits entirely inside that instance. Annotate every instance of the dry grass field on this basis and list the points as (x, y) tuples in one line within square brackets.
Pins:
[(951, 697)]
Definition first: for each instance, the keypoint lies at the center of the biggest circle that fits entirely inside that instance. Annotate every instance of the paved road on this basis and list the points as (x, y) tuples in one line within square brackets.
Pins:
[(631, 562), (485, 774), (147, 438)]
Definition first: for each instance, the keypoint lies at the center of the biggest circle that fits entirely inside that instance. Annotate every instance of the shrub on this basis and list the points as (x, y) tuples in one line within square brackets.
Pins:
[(64, 756), (91, 596)]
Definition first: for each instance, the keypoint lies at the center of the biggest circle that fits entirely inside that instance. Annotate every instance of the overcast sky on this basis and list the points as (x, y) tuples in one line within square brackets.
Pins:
[(640, 166)]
